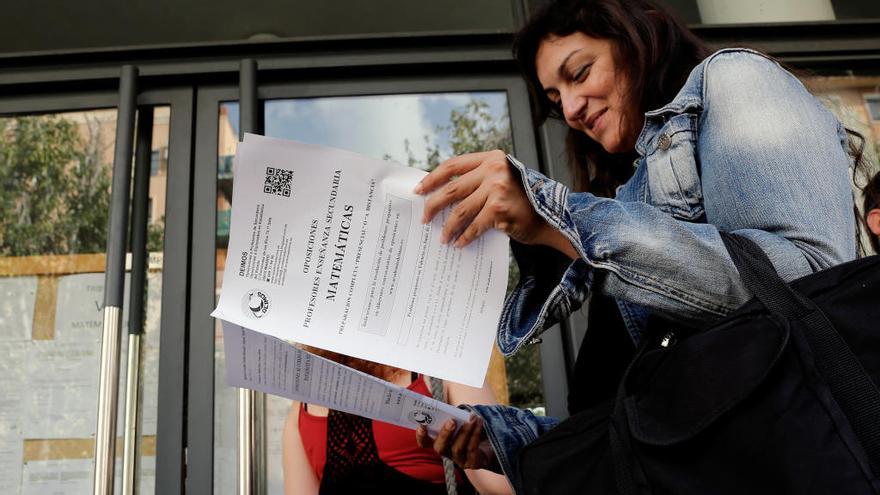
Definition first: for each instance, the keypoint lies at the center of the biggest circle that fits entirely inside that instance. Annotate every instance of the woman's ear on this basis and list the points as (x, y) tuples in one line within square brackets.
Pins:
[(873, 221)]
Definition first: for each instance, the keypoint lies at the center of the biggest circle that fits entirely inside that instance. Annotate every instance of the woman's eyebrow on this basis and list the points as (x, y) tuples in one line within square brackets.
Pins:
[(561, 69)]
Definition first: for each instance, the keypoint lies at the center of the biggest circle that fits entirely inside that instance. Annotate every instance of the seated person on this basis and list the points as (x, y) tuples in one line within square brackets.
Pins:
[(335, 452)]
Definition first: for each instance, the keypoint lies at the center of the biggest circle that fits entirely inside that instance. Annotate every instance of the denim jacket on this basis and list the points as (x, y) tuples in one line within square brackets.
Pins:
[(742, 148)]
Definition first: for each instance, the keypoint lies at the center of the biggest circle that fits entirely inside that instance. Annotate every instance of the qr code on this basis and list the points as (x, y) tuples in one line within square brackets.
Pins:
[(278, 181)]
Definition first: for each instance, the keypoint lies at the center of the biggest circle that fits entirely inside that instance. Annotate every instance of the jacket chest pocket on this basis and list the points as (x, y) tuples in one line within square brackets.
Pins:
[(673, 174)]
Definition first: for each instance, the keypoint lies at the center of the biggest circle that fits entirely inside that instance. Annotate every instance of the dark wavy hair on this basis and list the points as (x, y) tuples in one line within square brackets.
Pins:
[(652, 49)]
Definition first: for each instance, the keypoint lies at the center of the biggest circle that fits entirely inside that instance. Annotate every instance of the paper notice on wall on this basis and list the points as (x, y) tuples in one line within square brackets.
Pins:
[(327, 248), (267, 364), (17, 301), (11, 449), (79, 310), (62, 385), (13, 384), (57, 476)]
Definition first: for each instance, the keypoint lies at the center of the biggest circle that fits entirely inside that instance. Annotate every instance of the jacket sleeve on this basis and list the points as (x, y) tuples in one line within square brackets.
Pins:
[(510, 429), (771, 167)]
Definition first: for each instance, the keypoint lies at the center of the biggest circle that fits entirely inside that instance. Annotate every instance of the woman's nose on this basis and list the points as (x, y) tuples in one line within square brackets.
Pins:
[(573, 106)]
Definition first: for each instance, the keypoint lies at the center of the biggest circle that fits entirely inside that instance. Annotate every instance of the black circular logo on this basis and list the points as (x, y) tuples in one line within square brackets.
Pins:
[(421, 417), (255, 303)]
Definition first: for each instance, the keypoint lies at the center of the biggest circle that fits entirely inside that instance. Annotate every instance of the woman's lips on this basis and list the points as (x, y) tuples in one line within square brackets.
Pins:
[(594, 120)]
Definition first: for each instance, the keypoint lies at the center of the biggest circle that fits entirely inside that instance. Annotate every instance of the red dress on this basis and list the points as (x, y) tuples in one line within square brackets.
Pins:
[(396, 446)]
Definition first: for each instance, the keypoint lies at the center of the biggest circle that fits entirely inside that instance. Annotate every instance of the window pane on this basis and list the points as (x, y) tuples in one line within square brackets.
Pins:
[(752, 11), (854, 99), (55, 172)]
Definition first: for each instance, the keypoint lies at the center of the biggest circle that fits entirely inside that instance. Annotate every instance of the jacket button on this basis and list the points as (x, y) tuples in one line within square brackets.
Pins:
[(664, 141)]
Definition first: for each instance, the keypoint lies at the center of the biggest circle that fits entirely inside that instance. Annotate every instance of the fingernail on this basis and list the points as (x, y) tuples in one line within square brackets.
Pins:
[(418, 189), (472, 419), (449, 425)]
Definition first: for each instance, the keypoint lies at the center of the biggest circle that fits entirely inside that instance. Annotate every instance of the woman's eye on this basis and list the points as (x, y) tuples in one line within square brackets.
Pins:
[(581, 73)]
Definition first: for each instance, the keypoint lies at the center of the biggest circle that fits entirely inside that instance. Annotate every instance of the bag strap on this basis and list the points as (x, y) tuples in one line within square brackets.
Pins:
[(852, 387), (448, 467)]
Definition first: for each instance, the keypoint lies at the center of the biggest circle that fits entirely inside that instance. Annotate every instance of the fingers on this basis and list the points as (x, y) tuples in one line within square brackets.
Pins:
[(458, 165), (461, 447), (423, 439), (464, 449), (487, 194), (442, 444), (486, 219), (460, 188), (474, 454)]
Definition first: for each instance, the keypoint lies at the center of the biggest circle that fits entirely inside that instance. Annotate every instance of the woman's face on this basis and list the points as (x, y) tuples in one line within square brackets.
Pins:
[(579, 75)]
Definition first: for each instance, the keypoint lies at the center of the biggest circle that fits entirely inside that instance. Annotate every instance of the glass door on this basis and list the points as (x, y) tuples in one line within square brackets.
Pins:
[(56, 159)]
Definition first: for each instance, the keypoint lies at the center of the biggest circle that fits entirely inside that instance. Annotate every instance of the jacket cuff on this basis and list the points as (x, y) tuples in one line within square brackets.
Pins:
[(509, 430), (551, 286)]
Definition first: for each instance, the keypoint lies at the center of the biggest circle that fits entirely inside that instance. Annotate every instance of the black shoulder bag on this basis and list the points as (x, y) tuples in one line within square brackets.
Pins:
[(779, 397)]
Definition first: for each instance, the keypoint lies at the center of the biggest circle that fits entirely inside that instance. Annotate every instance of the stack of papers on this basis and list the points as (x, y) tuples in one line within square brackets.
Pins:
[(327, 249)]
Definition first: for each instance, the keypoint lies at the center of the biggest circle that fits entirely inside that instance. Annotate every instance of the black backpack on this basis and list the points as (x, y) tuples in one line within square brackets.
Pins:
[(779, 397)]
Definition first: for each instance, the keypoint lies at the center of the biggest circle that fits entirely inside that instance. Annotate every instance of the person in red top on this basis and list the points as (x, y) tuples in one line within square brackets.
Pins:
[(331, 452)]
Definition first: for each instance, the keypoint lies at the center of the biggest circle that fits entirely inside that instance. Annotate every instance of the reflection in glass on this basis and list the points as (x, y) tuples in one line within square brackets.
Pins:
[(854, 100), (418, 130), (777, 11), (748, 11), (225, 397), (55, 172)]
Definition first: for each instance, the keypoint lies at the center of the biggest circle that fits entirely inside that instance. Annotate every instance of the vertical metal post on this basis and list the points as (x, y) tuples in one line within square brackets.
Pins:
[(251, 404), (140, 196), (114, 284)]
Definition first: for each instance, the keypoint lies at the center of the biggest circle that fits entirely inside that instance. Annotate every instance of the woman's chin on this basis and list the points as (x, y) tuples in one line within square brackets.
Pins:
[(616, 144), (612, 145)]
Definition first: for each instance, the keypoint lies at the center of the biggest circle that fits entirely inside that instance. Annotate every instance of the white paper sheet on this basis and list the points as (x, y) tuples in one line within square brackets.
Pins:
[(62, 386), (13, 382), (76, 476), (11, 449), (17, 299), (57, 476), (261, 362), (327, 248), (79, 310)]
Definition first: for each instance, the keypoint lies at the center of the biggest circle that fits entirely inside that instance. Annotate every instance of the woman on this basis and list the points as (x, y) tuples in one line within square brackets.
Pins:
[(335, 452), (688, 143)]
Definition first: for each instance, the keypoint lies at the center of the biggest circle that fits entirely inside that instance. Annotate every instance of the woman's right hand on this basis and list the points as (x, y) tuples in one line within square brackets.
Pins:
[(489, 196), (469, 447)]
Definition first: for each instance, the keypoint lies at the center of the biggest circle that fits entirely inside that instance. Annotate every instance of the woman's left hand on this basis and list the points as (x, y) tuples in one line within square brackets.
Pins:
[(488, 196), (468, 447)]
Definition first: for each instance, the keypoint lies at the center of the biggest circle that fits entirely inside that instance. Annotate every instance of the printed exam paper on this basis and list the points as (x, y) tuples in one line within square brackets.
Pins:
[(261, 362), (327, 248)]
